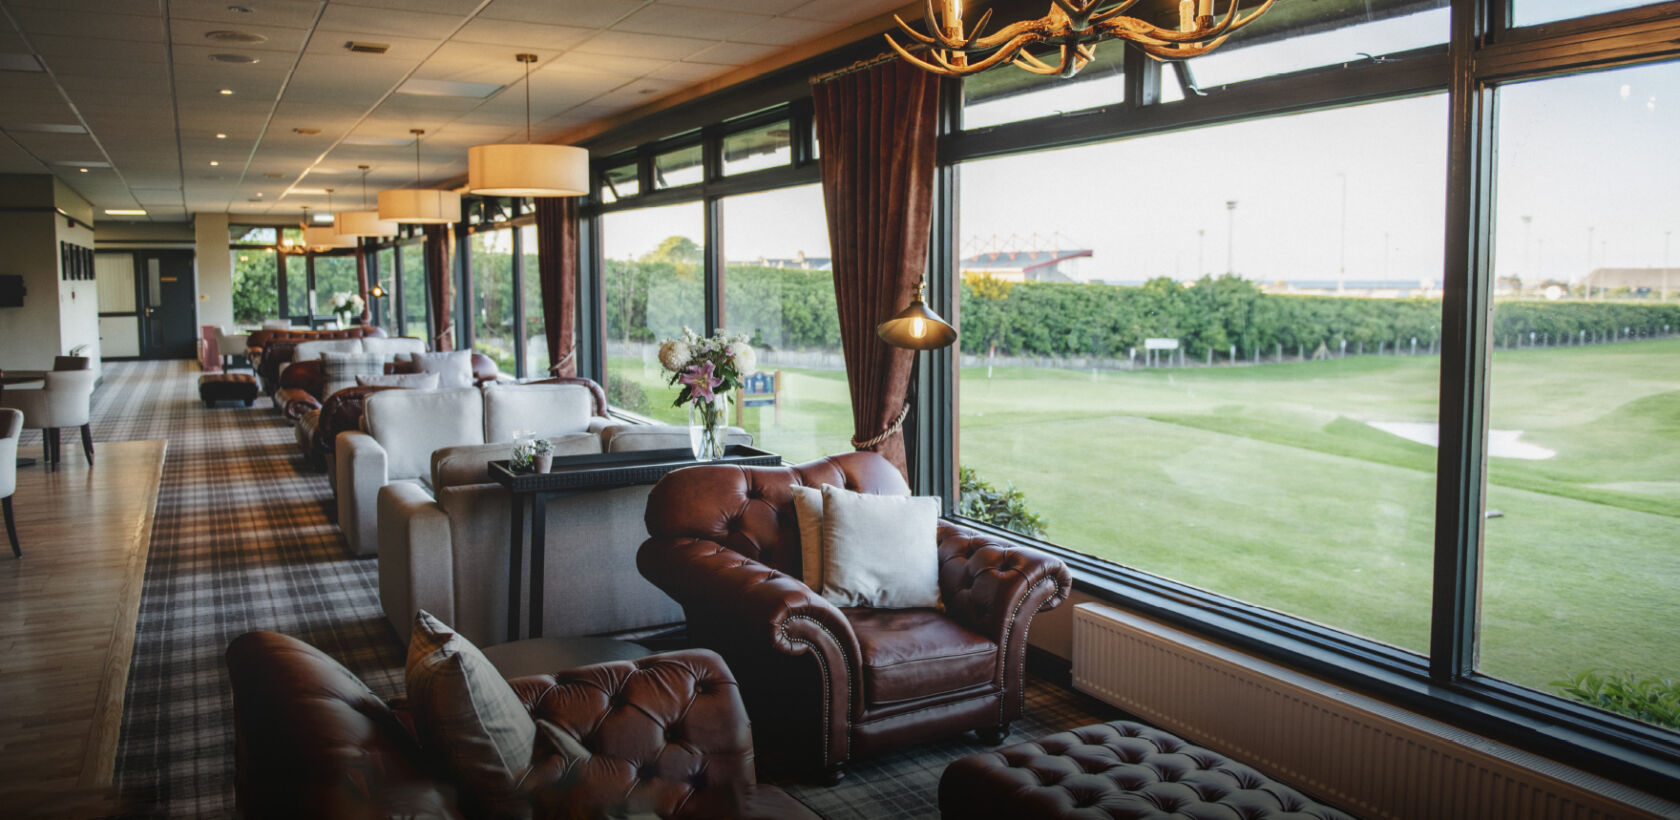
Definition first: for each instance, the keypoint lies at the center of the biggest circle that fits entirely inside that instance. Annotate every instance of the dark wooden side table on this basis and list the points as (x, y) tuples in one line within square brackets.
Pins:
[(573, 475)]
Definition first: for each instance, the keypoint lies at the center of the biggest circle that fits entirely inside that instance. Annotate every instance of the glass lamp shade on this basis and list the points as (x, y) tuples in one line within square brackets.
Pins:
[(362, 223), (325, 237), (526, 169), (420, 206)]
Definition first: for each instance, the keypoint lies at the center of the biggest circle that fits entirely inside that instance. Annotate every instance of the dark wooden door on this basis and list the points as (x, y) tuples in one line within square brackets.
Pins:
[(166, 284)]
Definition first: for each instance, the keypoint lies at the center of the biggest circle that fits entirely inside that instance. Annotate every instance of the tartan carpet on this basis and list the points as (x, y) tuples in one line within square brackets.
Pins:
[(241, 541)]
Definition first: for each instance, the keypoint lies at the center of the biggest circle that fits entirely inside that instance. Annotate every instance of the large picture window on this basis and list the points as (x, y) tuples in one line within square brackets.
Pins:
[(654, 282), (1580, 576), (412, 261), (778, 288), (1238, 368), (492, 297)]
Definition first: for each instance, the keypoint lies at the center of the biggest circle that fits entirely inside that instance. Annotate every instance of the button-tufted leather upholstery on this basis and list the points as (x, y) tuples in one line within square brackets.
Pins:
[(824, 684), (271, 348), (1120, 770), (663, 735)]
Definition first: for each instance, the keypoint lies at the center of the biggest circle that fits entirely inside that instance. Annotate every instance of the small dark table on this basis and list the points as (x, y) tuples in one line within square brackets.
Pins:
[(572, 475)]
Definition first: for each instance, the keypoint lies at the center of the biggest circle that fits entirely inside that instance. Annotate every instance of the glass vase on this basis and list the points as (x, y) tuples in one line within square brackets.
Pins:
[(706, 423)]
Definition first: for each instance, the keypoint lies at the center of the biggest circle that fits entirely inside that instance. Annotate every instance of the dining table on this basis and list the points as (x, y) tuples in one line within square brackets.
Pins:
[(20, 377)]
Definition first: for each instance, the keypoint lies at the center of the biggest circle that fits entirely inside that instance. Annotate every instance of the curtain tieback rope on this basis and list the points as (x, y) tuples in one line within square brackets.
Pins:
[(891, 428)]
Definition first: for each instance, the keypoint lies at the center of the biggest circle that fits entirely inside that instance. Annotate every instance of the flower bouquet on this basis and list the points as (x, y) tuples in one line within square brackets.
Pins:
[(709, 369), (346, 305)]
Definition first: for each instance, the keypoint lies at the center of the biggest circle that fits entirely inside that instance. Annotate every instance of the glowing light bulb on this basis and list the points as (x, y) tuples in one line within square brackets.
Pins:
[(918, 327)]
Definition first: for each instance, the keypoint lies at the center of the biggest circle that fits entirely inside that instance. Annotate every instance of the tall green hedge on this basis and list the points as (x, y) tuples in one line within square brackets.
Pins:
[(794, 309)]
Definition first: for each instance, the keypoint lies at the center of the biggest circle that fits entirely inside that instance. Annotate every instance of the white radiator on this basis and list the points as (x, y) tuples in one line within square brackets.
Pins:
[(1363, 756)]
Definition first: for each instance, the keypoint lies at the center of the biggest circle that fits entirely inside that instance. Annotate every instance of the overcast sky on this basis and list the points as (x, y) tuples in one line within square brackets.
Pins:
[(1595, 151)]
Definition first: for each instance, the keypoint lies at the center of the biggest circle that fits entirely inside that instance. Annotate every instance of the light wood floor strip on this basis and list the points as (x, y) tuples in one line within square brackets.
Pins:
[(67, 617)]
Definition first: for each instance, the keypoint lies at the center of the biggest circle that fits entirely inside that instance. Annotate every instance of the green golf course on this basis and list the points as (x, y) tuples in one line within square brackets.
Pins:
[(1270, 484)]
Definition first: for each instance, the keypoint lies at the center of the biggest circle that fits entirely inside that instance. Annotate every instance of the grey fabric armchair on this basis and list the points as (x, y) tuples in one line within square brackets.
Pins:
[(11, 427), (63, 402)]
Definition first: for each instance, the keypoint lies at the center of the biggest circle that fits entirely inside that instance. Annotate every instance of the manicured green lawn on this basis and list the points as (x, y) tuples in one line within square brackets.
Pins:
[(1268, 484)]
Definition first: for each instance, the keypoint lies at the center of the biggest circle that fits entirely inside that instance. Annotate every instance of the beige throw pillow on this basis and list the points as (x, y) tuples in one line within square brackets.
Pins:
[(469, 716), (808, 510), (879, 551)]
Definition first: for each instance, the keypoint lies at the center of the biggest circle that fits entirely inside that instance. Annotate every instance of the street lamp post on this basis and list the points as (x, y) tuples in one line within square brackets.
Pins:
[(1230, 237)]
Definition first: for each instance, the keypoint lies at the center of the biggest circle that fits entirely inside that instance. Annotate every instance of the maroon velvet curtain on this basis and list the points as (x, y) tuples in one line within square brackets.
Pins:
[(877, 128), (557, 263), (440, 293)]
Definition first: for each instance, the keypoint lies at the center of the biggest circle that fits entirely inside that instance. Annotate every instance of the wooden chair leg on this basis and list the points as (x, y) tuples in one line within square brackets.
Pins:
[(87, 442), (46, 446), (11, 529)]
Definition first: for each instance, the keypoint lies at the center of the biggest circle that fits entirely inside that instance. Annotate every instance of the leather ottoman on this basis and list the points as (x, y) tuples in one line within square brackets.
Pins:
[(215, 387), (1118, 769)]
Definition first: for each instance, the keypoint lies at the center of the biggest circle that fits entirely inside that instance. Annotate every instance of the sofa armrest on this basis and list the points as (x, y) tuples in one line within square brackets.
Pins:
[(597, 424), (295, 402), (989, 584), (361, 466), (310, 740), (416, 567)]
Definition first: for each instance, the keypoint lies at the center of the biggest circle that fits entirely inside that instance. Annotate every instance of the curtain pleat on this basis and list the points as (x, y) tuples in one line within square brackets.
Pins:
[(440, 293), (362, 284), (557, 263), (877, 130)]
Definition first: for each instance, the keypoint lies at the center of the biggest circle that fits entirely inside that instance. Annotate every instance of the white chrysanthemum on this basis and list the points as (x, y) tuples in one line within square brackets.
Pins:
[(674, 355), (745, 358)]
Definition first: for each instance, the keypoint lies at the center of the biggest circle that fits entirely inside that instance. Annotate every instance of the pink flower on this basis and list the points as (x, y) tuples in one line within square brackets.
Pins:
[(700, 380)]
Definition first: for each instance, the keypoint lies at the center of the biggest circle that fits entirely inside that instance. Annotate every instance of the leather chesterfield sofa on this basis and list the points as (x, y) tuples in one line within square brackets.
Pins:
[(826, 684), (664, 735), (270, 348)]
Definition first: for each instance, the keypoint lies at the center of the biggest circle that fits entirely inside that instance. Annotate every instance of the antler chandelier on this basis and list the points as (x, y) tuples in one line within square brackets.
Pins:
[(1074, 26)]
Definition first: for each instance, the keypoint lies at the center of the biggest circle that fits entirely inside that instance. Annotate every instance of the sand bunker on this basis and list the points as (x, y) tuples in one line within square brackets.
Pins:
[(1501, 443)]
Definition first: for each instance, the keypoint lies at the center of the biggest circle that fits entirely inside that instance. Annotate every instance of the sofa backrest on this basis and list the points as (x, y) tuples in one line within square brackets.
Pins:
[(470, 463), (543, 409), (750, 509), (627, 438), (410, 424), (391, 348), (312, 349)]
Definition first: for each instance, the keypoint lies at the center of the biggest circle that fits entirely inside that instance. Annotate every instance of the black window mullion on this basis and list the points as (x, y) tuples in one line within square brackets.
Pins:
[(518, 244), (591, 305), (284, 309), (399, 301), (714, 266), (936, 415), (462, 271), (1465, 314)]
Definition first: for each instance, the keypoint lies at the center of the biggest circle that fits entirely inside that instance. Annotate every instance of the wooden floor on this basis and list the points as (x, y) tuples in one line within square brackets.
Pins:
[(67, 615)]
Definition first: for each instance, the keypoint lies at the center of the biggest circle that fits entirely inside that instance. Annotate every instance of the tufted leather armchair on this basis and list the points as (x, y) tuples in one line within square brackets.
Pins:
[(825, 684), (268, 348), (663, 735)]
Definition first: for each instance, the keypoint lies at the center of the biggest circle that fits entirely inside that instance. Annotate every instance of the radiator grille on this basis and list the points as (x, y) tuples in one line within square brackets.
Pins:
[(1355, 753)]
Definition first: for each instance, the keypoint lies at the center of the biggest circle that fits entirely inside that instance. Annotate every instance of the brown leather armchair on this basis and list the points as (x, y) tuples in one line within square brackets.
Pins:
[(663, 735), (824, 684), (302, 384)]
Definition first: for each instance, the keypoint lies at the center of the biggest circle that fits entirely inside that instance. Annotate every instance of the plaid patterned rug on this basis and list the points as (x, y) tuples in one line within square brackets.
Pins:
[(242, 542)]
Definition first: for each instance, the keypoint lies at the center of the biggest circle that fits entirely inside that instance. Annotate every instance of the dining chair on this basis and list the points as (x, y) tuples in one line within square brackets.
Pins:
[(70, 362), (11, 427), (65, 401)]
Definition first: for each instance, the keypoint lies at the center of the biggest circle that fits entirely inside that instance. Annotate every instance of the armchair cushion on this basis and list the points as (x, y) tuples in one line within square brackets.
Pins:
[(466, 712), (340, 370), (917, 653), (390, 348), (410, 424), (544, 409), (879, 550), (454, 368), (312, 350), (625, 438), (413, 381), (470, 463)]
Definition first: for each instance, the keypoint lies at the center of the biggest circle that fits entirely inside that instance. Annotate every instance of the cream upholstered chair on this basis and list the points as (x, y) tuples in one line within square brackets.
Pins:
[(11, 427), (63, 402), (229, 345)]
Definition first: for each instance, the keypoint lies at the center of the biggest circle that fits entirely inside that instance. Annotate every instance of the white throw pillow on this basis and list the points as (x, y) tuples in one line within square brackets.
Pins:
[(392, 348), (454, 368), (808, 510), (413, 381), (879, 551)]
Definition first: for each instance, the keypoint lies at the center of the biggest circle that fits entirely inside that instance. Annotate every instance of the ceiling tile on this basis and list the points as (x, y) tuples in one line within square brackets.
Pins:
[(784, 31), (84, 25), (512, 34), (625, 44), (760, 6), (371, 21), (853, 12), (183, 32), (585, 13), (459, 8), (617, 65), (690, 72), (677, 21), (734, 54), (289, 13), (51, 46)]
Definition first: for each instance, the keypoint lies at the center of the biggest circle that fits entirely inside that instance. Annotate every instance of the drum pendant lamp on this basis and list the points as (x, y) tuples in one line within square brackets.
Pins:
[(527, 169), (419, 206)]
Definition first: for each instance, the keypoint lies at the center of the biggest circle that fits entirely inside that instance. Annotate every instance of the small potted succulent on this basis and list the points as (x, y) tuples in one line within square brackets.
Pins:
[(542, 455)]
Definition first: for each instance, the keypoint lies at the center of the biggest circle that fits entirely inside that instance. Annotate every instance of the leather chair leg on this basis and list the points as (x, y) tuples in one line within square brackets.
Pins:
[(834, 774), (87, 442), (58, 446), (46, 446), (994, 735), (11, 528)]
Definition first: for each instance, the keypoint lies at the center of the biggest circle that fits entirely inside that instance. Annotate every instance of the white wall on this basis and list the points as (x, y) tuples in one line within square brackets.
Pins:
[(78, 301), (215, 269), (29, 335)]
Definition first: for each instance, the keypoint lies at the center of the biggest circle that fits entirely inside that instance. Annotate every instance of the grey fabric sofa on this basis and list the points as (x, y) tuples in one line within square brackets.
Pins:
[(403, 428), (444, 548)]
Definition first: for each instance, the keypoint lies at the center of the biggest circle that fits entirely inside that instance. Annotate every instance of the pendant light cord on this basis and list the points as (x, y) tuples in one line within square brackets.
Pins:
[(527, 102)]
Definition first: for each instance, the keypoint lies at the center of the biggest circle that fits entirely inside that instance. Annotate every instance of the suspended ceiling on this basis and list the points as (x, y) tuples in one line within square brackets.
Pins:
[(122, 99)]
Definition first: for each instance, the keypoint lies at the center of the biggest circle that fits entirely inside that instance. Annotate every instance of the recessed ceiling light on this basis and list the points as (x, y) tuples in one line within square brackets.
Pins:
[(47, 128), (213, 162), (227, 92), (83, 163), (221, 136), (243, 59), (308, 132), (228, 36), (446, 88), (240, 9), (83, 170), (125, 212)]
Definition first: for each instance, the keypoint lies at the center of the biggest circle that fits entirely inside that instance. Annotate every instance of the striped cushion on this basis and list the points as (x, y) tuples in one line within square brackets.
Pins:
[(339, 370), (469, 716)]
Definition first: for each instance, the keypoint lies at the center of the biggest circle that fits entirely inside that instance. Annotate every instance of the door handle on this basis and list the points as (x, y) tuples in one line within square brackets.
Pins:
[(148, 311)]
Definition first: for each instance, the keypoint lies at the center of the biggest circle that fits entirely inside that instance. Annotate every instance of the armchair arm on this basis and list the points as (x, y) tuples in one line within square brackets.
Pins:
[(748, 612), (416, 567), (359, 461), (995, 587)]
